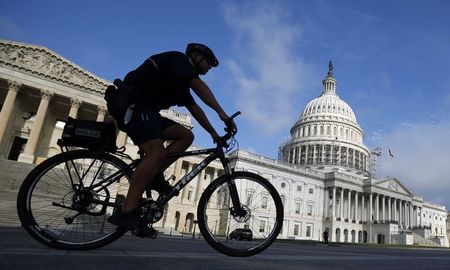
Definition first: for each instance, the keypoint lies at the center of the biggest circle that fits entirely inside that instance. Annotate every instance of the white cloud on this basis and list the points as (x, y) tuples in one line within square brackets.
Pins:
[(266, 68), (421, 159)]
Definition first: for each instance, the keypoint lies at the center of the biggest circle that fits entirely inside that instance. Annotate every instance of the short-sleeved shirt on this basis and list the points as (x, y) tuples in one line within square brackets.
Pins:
[(162, 80)]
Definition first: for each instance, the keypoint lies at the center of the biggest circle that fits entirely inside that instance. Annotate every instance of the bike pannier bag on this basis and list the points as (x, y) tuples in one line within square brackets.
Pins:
[(89, 134)]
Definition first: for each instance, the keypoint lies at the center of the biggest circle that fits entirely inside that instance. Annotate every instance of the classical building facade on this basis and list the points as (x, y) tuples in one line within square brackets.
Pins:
[(40, 89), (324, 179), (322, 173)]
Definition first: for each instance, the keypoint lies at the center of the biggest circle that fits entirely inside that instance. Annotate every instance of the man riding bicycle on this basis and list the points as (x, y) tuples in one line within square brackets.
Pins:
[(164, 80)]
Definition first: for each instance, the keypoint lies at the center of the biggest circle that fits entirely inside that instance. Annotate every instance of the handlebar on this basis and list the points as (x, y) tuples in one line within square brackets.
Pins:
[(229, 133)]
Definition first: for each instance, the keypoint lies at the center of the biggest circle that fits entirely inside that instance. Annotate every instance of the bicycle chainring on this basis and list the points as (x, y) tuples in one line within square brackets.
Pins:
[(151, 211)]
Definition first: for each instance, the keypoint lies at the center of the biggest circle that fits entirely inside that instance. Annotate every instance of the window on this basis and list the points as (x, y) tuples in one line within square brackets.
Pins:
[(189, 195), (264, 202), (296, 229), (262, 226), (308, 231), (299, 188), (283, 185), (311, 191), (297, 208), (309, 210)]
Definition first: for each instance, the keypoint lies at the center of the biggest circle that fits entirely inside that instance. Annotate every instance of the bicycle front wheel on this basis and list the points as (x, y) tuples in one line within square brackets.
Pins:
[(240, 234), (61, 205)]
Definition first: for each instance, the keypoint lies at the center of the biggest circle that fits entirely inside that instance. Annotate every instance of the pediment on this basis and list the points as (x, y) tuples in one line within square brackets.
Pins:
[(394, 185), (42, 62)]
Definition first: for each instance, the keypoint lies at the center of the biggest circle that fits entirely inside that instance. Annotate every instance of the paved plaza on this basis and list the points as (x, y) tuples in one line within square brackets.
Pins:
[(19, 251)]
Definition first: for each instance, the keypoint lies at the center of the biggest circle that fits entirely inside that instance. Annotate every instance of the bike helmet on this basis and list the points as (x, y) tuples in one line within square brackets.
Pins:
[(203, 50)]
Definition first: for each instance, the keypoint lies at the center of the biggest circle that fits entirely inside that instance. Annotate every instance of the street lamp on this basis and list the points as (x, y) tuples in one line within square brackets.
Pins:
[(195, 224)]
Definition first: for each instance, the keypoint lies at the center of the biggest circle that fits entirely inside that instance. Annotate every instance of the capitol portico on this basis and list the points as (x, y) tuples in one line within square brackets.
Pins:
[(322, 173)]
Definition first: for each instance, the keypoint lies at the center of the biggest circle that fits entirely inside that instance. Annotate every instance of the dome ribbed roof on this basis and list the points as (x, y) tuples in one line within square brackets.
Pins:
[(328, 104)]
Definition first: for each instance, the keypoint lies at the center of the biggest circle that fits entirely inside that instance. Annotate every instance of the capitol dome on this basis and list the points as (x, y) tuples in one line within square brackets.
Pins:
[(327, 133)]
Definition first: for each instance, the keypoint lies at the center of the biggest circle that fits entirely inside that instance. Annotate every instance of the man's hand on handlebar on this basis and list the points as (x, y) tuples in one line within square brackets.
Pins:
[(230, 126)]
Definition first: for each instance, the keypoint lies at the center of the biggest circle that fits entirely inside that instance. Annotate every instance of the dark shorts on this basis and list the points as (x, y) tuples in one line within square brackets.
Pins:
[(147, 124)]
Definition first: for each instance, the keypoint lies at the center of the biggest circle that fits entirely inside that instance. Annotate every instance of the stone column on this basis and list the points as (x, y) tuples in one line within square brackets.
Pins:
[(383, 213), (121, 139), (377, 207), (74, 106), (307, 154), (323, 155), (401, 214), (333, 206), (185, 190), (395, 210), (198, 191), (320, 198), (30, 148), (370, 207), (326, 203), (389, 208), (421, 216), (101, 112), (356, 206), (363, 210), (410, 214), (349, 216), (341, 206), (177, 169), (8, 105), (293, 154)]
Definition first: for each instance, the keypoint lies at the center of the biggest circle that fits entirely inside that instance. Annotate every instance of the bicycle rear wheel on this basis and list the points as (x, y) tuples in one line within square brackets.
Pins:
[(55, 202), (246, 234)]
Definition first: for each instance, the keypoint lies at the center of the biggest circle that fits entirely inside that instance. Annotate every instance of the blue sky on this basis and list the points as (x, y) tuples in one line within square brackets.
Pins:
[(391, 60)]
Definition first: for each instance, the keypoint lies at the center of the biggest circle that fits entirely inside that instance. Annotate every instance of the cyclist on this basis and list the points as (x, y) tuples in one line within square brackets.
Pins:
[(164, 80)]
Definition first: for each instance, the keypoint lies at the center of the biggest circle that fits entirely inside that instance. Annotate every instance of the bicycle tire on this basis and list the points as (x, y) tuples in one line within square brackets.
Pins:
[(264, 215), (49, 183)]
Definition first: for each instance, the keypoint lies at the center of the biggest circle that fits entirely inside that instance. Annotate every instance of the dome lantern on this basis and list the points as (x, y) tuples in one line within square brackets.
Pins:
[(329, 83)]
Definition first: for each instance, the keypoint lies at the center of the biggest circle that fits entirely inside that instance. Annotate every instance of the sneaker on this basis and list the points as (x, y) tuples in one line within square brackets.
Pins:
[(161, 185), (127, 220), (145, 231)]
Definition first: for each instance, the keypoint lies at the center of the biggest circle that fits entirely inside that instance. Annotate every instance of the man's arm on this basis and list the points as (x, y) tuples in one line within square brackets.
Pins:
[(201, 118), (205, 94), (202, 90)]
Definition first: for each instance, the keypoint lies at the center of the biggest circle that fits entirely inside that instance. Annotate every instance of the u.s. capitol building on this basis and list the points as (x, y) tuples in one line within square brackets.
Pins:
[(322, 172)]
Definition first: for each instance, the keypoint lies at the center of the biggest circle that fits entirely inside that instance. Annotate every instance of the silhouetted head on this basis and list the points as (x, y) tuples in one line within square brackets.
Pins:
[(202, 57)]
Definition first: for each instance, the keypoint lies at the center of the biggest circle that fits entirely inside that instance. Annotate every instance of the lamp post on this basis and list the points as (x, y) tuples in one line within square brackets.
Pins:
[(195, 224)]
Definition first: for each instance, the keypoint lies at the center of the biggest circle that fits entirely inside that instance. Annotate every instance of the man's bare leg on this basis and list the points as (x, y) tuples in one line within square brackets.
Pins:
[(144, 173)]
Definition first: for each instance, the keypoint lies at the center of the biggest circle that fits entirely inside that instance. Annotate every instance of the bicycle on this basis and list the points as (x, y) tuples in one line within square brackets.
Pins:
[(65, 201)]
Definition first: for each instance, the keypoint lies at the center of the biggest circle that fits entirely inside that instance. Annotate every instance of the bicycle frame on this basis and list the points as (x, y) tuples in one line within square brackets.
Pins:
[(214, 153)]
